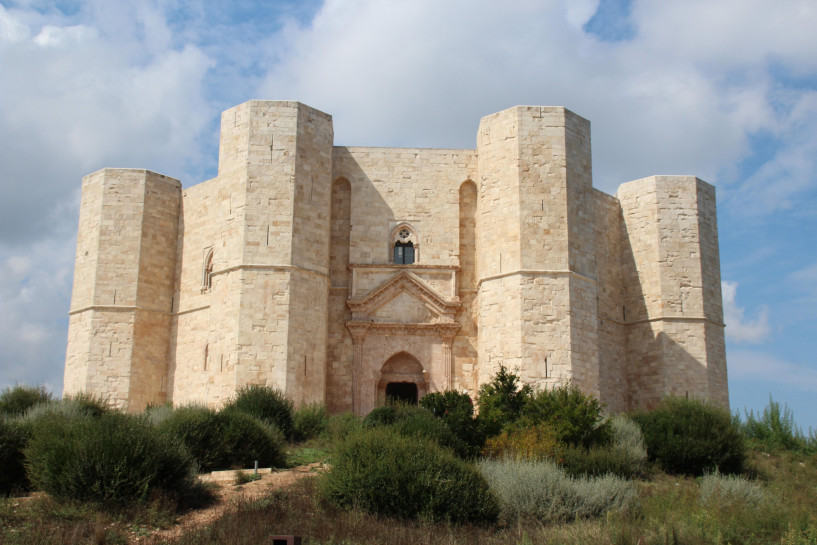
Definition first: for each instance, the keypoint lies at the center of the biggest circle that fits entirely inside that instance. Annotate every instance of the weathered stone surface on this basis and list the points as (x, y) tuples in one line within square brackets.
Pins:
[(280, 271)]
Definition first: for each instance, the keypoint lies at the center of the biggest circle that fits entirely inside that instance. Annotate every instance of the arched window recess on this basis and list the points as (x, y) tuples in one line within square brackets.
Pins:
[(405, 244), (207, 271)]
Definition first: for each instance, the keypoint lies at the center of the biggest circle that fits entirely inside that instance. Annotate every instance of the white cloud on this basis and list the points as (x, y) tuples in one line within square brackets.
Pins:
[(11, 29), (805, 278), (73, 101), (770, 368), (35, 285), (75, 97), (681, 97), (53, 36), (738, 328)]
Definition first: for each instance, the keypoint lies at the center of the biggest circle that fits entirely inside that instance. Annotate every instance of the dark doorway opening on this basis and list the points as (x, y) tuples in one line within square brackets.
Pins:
[(405, 392)]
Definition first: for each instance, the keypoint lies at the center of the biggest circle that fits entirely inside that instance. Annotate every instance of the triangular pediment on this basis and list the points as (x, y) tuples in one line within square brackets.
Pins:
[(403, 308), (402, 298)]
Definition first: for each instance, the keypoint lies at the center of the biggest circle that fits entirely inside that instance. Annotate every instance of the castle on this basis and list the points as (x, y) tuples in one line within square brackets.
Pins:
[(346, 274)]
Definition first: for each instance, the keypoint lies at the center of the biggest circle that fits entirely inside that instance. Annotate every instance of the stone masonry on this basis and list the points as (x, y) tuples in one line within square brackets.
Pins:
[(287, 269)]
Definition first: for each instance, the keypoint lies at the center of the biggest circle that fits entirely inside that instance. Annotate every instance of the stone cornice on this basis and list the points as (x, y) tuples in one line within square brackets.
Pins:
[(675, 319), (118, 308), (537, 272), (263, 267), (411, 267), (440, 329)]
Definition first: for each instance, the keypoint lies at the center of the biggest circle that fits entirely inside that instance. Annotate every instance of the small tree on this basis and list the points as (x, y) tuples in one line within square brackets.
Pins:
[(578, 419), (456, 410), (501, 401)]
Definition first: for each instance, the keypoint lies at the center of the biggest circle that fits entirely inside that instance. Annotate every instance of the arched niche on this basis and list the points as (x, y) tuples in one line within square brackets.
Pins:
[(400, 372)]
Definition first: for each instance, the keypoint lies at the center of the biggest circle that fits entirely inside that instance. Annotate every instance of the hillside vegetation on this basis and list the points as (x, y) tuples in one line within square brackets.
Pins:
[(530, 467)]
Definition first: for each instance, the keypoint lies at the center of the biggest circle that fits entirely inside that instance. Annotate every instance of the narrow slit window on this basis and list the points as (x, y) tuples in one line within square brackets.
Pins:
[(207, 272)]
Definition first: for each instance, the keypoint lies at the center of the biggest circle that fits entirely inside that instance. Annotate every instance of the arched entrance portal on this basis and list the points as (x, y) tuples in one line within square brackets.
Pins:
[(403, 378), (403, 392)]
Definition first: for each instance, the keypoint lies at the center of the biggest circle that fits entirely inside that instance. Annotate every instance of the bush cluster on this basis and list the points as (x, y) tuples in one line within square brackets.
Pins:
[(341, 426), (267, 404), (775, 429), (534, 442), (725, 489), (544, 492), (19, 399), (456, 410), (625, 454), (71, 406), (384, 472), (501, 401), (577, 419), (223, 440), (111, 459), (13, 439), (413, 421), (692, 437), (310, 421)]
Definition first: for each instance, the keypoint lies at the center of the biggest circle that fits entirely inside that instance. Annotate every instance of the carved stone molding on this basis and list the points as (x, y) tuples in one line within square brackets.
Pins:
[(444, 330), (410, 283)]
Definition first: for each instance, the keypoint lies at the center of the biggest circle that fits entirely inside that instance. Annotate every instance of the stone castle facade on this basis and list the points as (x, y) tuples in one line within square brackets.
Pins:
[(340, 274)]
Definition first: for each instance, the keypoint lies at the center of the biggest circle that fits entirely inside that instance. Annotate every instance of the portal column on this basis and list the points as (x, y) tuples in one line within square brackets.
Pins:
[(447, 337), (358, 336)]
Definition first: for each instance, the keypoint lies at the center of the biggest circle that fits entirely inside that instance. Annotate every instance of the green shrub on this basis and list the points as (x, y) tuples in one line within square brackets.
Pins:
[(501, 401), (267, 404), (380, 416), (223, 440), (202, 431), (692, 437), (112, 459), (534, 443), (19, 399), (577, 418), (456, 410), (411, 420), (776, 429), (627, 436), (13, 439), (247, 439), (624, 456), (723, 489), (543, 492), (342, 425), (157, 414), (310, 421), (76, 406), (448, 403), (383, 472)]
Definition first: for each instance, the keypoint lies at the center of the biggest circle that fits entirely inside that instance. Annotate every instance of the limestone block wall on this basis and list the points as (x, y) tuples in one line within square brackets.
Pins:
[(286, 248), (420, 186), (535, 224), (339, 346), (673, 335), (386, 187), (205, 323), (121, 312), (613, 380)]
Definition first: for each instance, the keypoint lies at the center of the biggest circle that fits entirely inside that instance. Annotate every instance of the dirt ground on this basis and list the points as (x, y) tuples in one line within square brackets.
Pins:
[(229, 494)]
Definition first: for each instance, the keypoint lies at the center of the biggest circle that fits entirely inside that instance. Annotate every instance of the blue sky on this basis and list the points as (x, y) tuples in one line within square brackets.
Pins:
[(723, 89)]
